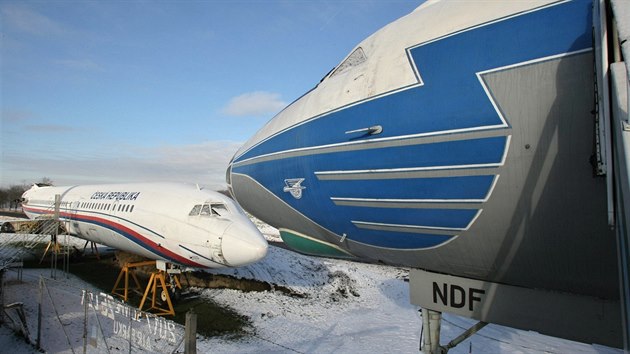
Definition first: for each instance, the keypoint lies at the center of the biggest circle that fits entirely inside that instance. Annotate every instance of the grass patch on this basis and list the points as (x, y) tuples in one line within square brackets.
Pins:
[(102, 274), (212, 318)]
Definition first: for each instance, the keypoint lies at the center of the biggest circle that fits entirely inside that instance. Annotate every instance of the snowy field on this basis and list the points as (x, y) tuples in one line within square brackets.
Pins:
[(343, 307)]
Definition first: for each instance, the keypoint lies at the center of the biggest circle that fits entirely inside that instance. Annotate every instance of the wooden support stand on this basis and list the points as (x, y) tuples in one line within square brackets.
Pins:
[(52, 246), (93, 248), (160, 276), (125, 271), (157, 283)]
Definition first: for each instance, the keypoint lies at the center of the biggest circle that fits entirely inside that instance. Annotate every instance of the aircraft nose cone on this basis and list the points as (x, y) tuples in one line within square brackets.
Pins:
[(243, 244)]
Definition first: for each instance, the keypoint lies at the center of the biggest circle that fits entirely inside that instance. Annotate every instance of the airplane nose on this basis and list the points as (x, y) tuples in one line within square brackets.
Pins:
[(242, 245)]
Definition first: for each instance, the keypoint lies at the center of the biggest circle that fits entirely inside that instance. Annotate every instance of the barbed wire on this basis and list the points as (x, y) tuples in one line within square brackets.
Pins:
[(278, 344), (57, 314), (499, 340)]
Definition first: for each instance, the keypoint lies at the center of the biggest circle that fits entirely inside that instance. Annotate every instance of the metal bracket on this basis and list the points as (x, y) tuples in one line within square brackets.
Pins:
[(373, 130)]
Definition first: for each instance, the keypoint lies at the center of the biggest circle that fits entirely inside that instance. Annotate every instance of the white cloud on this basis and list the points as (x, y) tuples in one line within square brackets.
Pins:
[(50, 128), (254, 104), (80, 64), (14, 116), (203, 163), (25, 20)]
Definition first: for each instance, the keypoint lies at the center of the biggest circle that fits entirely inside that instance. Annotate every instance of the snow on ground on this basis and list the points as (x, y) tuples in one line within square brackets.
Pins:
[(354, 307), (271, 233), (339, 306), (8, 339)]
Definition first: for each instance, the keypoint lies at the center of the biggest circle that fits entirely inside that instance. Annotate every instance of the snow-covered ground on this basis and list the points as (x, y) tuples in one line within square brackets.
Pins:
[(342, 307)]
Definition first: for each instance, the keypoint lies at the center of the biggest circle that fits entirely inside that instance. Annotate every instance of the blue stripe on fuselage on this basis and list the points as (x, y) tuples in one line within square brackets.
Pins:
[(452, 153), (451, 97)]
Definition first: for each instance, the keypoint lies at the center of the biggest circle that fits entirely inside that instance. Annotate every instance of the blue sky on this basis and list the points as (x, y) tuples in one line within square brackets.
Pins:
[(130, 91)]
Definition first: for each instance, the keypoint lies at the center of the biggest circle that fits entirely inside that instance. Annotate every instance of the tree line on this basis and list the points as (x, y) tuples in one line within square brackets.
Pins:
[(11, 196)]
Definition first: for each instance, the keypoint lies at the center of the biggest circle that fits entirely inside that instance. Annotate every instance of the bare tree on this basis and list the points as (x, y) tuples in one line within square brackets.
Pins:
[(10, 197), (4, 197), (46, 181)]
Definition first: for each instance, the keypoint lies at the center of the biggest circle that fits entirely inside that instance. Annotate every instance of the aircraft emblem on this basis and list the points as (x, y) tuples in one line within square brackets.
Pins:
[(294, 186)]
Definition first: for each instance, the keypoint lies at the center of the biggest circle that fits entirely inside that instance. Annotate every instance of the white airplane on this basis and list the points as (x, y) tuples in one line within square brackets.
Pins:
[(175, 223)]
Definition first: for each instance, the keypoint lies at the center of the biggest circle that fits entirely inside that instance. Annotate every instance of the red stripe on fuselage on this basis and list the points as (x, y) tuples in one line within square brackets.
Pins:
[(123, 230)]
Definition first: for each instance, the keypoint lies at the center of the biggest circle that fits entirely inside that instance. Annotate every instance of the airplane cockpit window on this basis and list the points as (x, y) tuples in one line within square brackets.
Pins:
[(357, 57), (209, 209), (195, 210), (219, 209), (205, 210)]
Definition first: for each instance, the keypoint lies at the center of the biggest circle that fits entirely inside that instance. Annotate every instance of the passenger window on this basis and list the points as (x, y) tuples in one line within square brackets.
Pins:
[(195, 210)]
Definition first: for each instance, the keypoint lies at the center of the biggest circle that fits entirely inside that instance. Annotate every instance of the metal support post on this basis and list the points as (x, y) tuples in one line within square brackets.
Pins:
[(39, 313), (2, 294), (462, 337), (54, 236), (85, 320), (431, 323)]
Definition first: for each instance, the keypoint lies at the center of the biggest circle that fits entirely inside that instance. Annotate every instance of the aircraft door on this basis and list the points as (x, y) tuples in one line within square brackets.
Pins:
[(73, 221), (212, 225), (215, 249), (113, 212)]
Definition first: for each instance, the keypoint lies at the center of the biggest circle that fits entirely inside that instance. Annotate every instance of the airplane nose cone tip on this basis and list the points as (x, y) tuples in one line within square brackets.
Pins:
[(242, 245)]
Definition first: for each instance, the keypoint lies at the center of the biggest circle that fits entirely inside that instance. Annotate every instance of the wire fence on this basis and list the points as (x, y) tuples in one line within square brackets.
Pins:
[(57, 316)]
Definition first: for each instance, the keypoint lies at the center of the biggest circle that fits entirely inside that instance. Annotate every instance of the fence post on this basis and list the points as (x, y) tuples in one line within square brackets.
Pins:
[(129, 328), (85, 319), (39, 313), (2, 295), (191, 333)]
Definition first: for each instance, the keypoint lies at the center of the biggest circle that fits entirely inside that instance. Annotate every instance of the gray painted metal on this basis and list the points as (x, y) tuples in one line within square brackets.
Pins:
[(545, 224), (620, 82), (621, 112), (559, 314)]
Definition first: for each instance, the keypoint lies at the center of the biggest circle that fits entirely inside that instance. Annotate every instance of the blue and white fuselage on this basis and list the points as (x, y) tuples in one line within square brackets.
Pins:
[(443, 136), (455, 139)]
